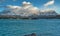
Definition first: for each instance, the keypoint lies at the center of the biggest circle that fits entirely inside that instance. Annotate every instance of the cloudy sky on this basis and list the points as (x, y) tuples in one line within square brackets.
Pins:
[(41, 4)]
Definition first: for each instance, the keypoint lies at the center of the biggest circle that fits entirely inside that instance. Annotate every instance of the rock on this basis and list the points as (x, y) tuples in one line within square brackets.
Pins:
[(33, 34)]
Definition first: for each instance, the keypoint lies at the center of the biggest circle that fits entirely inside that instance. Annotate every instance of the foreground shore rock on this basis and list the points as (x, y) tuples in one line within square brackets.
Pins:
[(33, 34)]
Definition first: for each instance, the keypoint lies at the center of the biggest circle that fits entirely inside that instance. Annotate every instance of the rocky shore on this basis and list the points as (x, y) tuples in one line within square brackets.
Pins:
[(33, 34), (29, 17)]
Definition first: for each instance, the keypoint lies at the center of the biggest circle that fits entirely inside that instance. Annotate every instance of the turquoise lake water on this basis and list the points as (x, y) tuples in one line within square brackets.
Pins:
[(42, 27)]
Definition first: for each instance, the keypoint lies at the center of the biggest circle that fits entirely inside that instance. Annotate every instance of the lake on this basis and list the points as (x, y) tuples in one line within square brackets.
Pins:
[(20, 27)]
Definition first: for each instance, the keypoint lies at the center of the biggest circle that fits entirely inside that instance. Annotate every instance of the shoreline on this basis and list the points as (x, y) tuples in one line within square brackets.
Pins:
[(30, 17)]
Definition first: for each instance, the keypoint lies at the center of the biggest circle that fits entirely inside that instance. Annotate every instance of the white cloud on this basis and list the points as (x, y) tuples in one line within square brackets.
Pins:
[(13, 7), (49, 3), (25, 10), (26, 2)]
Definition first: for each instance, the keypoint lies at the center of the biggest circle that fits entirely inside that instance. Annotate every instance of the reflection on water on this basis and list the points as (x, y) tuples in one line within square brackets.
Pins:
[(42, 27)]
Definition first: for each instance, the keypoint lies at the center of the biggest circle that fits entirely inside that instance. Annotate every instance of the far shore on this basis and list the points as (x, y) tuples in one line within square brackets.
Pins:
[(30, 17)]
